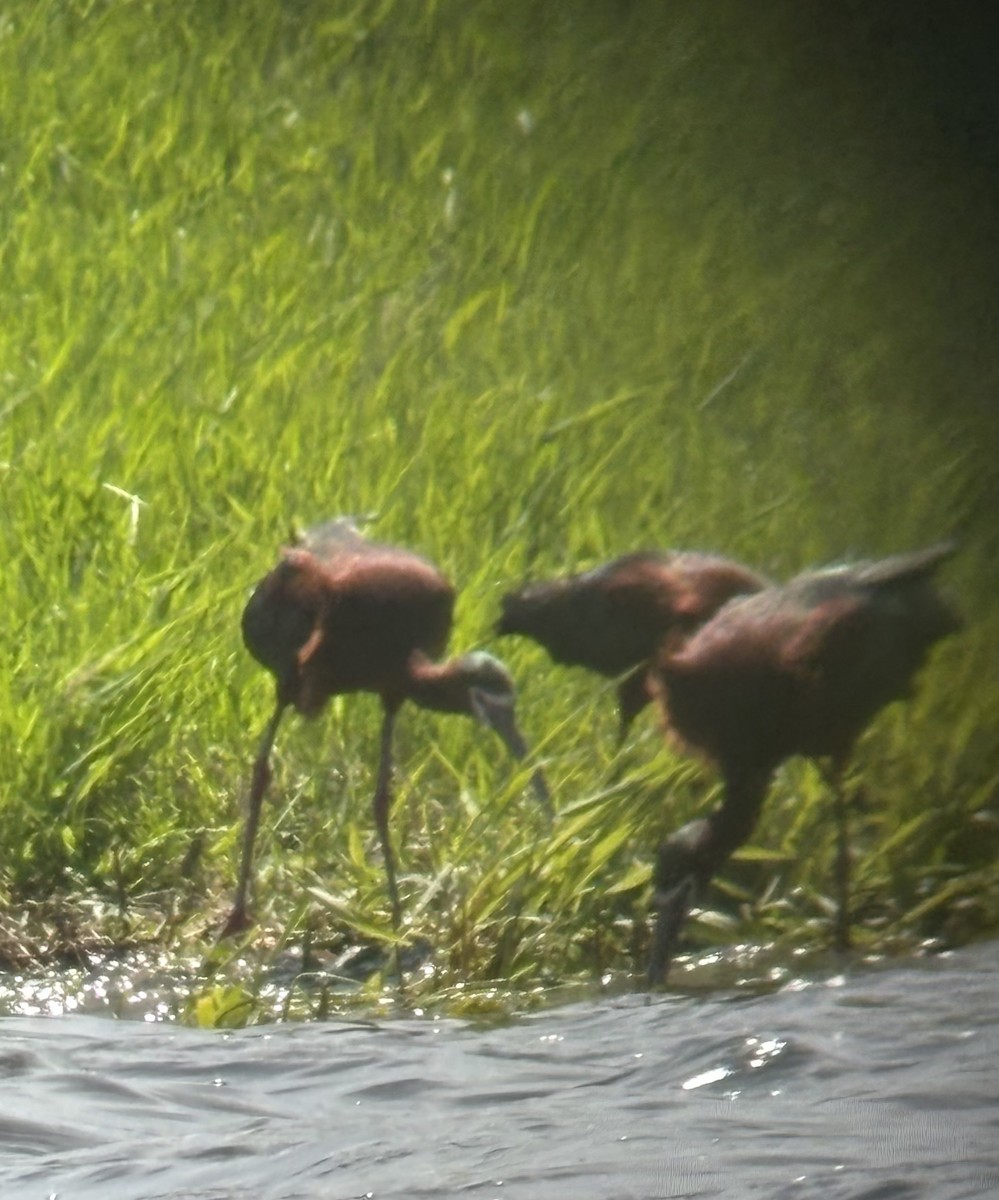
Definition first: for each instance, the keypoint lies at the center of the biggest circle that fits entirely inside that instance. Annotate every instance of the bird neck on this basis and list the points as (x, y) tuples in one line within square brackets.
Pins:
[(733, 821), (438, 686)]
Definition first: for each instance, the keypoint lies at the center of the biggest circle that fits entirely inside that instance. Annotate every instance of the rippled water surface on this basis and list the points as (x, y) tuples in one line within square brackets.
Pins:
[(882, 1085)]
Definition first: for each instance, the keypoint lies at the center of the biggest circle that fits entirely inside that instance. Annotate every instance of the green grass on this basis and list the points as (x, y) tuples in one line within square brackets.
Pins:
[(537, 284)]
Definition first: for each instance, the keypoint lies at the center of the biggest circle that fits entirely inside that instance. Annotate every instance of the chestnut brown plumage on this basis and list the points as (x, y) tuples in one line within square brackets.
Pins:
[(613, 619), (797, 669), (340, 613)]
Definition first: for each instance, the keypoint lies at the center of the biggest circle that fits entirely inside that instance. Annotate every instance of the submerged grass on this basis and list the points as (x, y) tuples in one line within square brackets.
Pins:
[(536, 284)]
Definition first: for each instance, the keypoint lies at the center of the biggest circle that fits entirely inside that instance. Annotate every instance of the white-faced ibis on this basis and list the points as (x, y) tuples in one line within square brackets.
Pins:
[(614, 618), (339, 614), (797, 669)]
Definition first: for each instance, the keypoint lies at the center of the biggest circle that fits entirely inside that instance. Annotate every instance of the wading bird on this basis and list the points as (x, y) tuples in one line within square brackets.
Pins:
[(613, 619), (342, 614), (797, 669)]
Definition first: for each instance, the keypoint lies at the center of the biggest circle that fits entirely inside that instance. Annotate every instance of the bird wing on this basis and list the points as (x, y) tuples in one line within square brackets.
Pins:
[(330, 539), (822, 633)]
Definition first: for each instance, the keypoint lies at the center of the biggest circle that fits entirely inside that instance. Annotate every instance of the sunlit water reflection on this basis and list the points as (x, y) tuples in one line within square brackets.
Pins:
[(880, 1085)]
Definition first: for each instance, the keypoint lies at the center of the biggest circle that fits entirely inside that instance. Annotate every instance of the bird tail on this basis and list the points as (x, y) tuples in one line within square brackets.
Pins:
[(900, 568)]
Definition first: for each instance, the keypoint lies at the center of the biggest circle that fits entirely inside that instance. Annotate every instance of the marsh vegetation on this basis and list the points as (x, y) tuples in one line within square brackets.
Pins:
[(537, 284)]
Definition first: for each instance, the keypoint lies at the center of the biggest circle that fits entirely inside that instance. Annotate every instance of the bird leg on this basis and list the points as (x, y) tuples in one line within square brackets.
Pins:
[(381, 804), (633, 695), (259, 780), (841, 932)]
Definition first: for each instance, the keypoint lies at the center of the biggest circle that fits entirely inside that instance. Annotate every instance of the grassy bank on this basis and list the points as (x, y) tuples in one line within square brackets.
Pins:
[(536, 284)]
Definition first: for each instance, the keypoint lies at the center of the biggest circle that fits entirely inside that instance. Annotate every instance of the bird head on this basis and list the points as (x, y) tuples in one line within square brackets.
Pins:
[(492, 700), (682, 867), (522, 609), (492, 696), (507, 622)]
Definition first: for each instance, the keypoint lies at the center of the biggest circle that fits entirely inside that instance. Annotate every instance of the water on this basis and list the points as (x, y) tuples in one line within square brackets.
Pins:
[(880, 1085)]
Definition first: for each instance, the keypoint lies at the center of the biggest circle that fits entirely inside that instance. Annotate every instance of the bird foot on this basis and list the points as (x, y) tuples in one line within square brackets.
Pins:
[(237, 922)]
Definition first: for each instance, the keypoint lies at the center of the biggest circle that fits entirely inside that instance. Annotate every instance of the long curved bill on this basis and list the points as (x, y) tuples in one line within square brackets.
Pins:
[(497, 712), (672, 908)]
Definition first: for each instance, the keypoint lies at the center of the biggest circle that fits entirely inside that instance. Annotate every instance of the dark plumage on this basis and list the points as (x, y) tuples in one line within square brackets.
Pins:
[(339, 614), (613, 619), (797, 669)]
